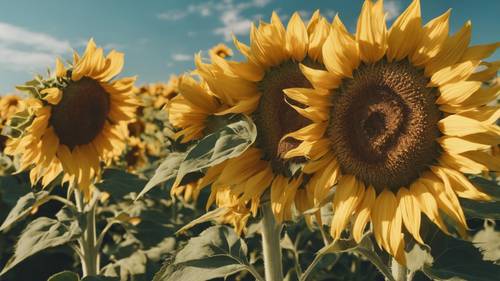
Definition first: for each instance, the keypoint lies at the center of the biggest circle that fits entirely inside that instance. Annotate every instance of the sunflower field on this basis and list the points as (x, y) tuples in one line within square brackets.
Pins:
[(321, 154)]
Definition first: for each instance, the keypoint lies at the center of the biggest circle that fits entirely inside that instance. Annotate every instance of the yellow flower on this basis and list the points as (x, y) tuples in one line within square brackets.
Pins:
[(76, 119), (221, 50), (254, 87), (399, 116), (9, 105)]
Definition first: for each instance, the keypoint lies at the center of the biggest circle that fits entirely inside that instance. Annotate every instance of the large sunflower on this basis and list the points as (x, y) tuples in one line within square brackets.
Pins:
[(403, 115), (254, 87), (75, 119)]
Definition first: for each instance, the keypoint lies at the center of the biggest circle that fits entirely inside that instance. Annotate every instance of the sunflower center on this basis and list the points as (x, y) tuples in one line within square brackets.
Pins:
[(275, 118), (80, 115), (384, 124)]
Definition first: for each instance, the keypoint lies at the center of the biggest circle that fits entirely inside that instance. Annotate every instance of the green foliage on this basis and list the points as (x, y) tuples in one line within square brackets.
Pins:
[(216, 252), (225, 143), (166, 171), (119, 183), (23, 207), (43, 233), (456, 258)]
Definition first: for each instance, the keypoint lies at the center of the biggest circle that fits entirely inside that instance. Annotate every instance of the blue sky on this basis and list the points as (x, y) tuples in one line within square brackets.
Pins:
[(159, 38)]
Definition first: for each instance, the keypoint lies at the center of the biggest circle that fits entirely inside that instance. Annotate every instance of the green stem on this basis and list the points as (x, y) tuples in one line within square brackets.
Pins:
[(271, 230), (90, 258), (398, 271)]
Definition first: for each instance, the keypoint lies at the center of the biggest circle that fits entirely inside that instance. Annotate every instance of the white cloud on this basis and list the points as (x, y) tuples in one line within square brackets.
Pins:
[(172, 15), (182, 57), (232, 19), (22, 49), (230, 15), (392, 9)]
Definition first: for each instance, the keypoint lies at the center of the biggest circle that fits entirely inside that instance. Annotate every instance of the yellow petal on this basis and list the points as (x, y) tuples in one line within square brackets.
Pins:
[(453, 73), (458, 145), (457, 182), (446, 199), (317, 38), (410, 212), (433, 35), (461, 163), (348, 195), (480, 52), (371, 32), (297, 40), (60, 69), (452, 50), (383, 212), (363, 214), (320, 78), (52, 95), (405, 33), (427, 203), (456, 93), (340, 51), (458, 125)]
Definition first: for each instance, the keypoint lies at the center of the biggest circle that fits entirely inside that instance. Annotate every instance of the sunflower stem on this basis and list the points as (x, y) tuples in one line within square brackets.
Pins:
[(271, 231), (89, 257), (398, 271)]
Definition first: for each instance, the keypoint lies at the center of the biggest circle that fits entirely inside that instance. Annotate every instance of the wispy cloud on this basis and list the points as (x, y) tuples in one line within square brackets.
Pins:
[(233, 20), (392, 9), (182, 57), (229, 12), (23, 49), (172, 15)]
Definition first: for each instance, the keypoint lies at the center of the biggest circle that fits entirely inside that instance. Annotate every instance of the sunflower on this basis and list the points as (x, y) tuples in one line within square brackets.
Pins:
[(221, 50), (254, 87), (9, 105), (399, 117), (74, 119)]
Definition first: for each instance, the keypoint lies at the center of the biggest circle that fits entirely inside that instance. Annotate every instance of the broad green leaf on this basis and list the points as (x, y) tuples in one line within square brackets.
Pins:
[(64, 276), (40, 234), (23, 207), (119, 183), (478, 209), (165, 172), (226, 142), (488, 186), (456, 258), (216, 253)]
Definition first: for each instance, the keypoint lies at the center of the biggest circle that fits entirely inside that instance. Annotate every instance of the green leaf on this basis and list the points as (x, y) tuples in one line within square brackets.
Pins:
[(365, 248), (100, 278), (489, 187), (456, 258), (119, 183), (165, 172), (478, 209), (209, 216), (225, 143), (23, 207), (41, 234), (64, 276), (217, 252)]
